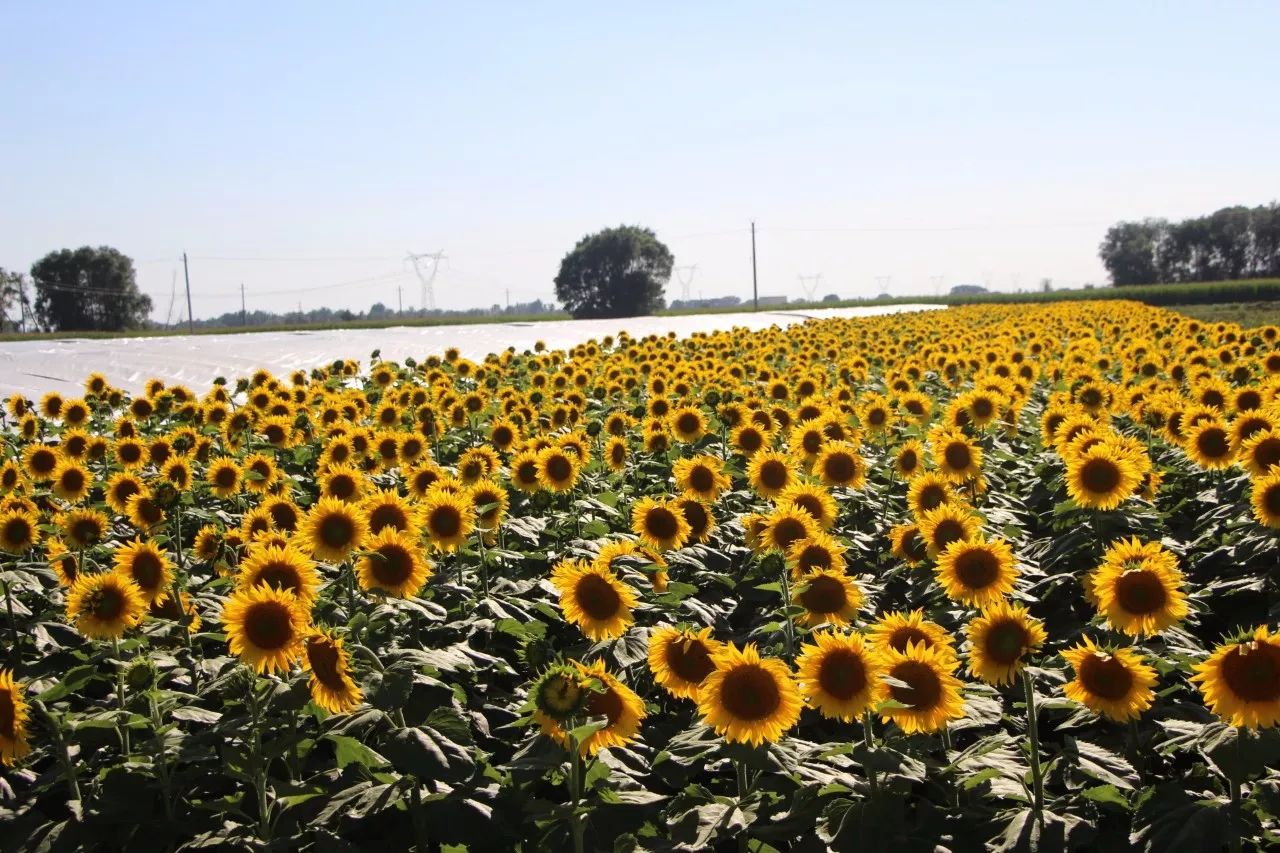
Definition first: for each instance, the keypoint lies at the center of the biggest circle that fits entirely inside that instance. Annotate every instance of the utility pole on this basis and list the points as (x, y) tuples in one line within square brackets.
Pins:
[(244, 317), (685, 283), (507, 291), (428, 295), (399, 299), (191, 321), (755, 285)]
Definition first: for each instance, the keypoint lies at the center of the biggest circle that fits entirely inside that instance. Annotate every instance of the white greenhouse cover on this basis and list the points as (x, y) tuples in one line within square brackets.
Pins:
[(36, 366)]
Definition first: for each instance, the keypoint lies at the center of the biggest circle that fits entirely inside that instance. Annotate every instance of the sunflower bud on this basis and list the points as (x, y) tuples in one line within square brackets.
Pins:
[(561, 693)]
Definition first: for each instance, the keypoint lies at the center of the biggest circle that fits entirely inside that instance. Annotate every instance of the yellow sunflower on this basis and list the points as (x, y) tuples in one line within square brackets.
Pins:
[(394, 564), (698, 515), (332, 687), (147, 566), (827, 595), (595, 600), (660, 524), (947, 524), (558, 469), (1265, 499), (447, 519), (908, 461), (615, 453), (490, 501), (907, 544), (386, 508), (1102, 477), (1240, 681), (266, 628), (280, 568), (687, 424), (120, 488), (1209, 445), (103, 606), (71, 481), (928, 491), (814, 500), (897, 630), (333, 529), (769, 473), (1138, 588), (1001, 639), (681, 659), (749, 699), (64, 563), (224, 477), (1115, 683), (13, 720), (701, 475), (1261, 451), (925, 694), (614, 701), (840, 464), (837, 674), (19, 531), (785, 526), (819, 551), (977, 571), (958, 459)]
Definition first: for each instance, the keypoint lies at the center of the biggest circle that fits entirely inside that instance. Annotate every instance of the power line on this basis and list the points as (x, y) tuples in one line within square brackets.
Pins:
[(685, 282), (428, 295), (810, 289)]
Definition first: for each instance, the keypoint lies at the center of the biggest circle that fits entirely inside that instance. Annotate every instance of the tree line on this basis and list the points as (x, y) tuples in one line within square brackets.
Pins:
[(1231, 243)]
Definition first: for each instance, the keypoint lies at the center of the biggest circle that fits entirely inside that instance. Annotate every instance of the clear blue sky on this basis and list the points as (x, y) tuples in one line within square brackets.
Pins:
[(973, 141)]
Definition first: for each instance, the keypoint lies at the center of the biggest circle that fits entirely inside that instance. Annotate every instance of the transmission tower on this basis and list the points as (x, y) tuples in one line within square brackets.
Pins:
[(432, 259), (685, 283), (810, 289)]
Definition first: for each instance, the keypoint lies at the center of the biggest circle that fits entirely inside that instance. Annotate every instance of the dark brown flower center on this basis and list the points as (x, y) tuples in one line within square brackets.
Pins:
[(842, 674), (1100, 476), (1266, 453), (607, 704), (1140, 591), (702, 479), (924, 689), (839, 467), (1252, 671), (558, 468), (1105, 676), (105, 603), (824, 595), (689, 660), (661, 523), (387, 515), (268, 625), (392, 565), (1005, 641), (445, 521), (597, 597), (1213, 443), (280, 576), (337, 531), (957, 456), (147, 571), (908, 635), (977, 568), (749, 692)]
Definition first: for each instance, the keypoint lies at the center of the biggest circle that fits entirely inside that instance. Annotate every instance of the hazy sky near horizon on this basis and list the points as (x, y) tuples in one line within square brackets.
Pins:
[(303, 148)]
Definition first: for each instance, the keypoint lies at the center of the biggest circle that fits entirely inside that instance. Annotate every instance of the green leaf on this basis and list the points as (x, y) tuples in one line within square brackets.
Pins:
[(348, 750)]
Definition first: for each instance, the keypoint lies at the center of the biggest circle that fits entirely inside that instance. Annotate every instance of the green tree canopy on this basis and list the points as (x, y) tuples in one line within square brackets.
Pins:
[(618, 272), (88, 289)]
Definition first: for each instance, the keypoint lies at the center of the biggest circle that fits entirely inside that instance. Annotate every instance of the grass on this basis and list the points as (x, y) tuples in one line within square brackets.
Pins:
[(1242, 302)]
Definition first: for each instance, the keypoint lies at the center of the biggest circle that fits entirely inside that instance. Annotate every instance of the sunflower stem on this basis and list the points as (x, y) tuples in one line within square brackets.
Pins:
[(123, 724), (1033, 740), (1233, 832), (947, 749), (744, 788), (869, 737), (484, 563), (64, 755), (162, 760), (576, 826), (13, 625), (786, 608), (259, 768)]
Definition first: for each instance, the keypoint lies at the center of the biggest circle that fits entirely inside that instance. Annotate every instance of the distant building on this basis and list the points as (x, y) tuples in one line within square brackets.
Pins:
[(773, 300), (968, 290)]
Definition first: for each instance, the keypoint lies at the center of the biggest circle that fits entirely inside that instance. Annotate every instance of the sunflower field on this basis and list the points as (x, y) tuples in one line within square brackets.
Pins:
[(990, 578)]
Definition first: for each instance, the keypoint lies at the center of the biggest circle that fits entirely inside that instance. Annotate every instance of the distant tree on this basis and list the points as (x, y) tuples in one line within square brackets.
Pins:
[(13, 299), (968, 290), (1128, 251), (618, 272), (831, 297), (1231, 243), (88, 289)]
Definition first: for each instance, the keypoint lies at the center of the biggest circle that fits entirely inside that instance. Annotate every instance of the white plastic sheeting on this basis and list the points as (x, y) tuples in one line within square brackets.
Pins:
[(36, 366)]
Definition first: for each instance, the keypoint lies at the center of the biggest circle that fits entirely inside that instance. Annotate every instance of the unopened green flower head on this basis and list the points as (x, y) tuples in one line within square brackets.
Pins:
[(561, 693)]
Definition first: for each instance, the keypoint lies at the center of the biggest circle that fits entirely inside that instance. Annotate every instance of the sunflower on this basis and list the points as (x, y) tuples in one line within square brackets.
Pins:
[(147, 566), (925, 694), (749, 439), (929, 491), (394, 564), (11, 477), (330, 666), (385, 508), (977, 571), (558, 469), (120, 488), (19, 531), (476, 463), (687, 424), (344, 482), (595, 600), (814, 500), (41, 461), (897, 630), (1000, 640), (223, 477), (749, 699), (650, 560), (333, 529), (614, 701), (280, 568), (1209, 445), (177, 472), (71, 481), (1265, 497), (1261, 451), (447, 518), (168, 608), (1138, 588), (260, 472), (103, 606), (946, 524), (957, 458), (840, 464), (769, 473), (907, 544), (701, 475), (681, 659), (13, 720), (908, 462), (837, 674), (1240, 681), (1102, 477), (827, 595), (419, 479), (1115, 683), (83, 528), (614, 453), (266, 628), (816, 552), (65, 564), (659, 524)]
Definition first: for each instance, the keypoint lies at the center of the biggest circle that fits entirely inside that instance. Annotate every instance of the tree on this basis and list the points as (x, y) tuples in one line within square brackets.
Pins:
[(88, 289), (1128, 251), (618, 272), (13, 298)]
